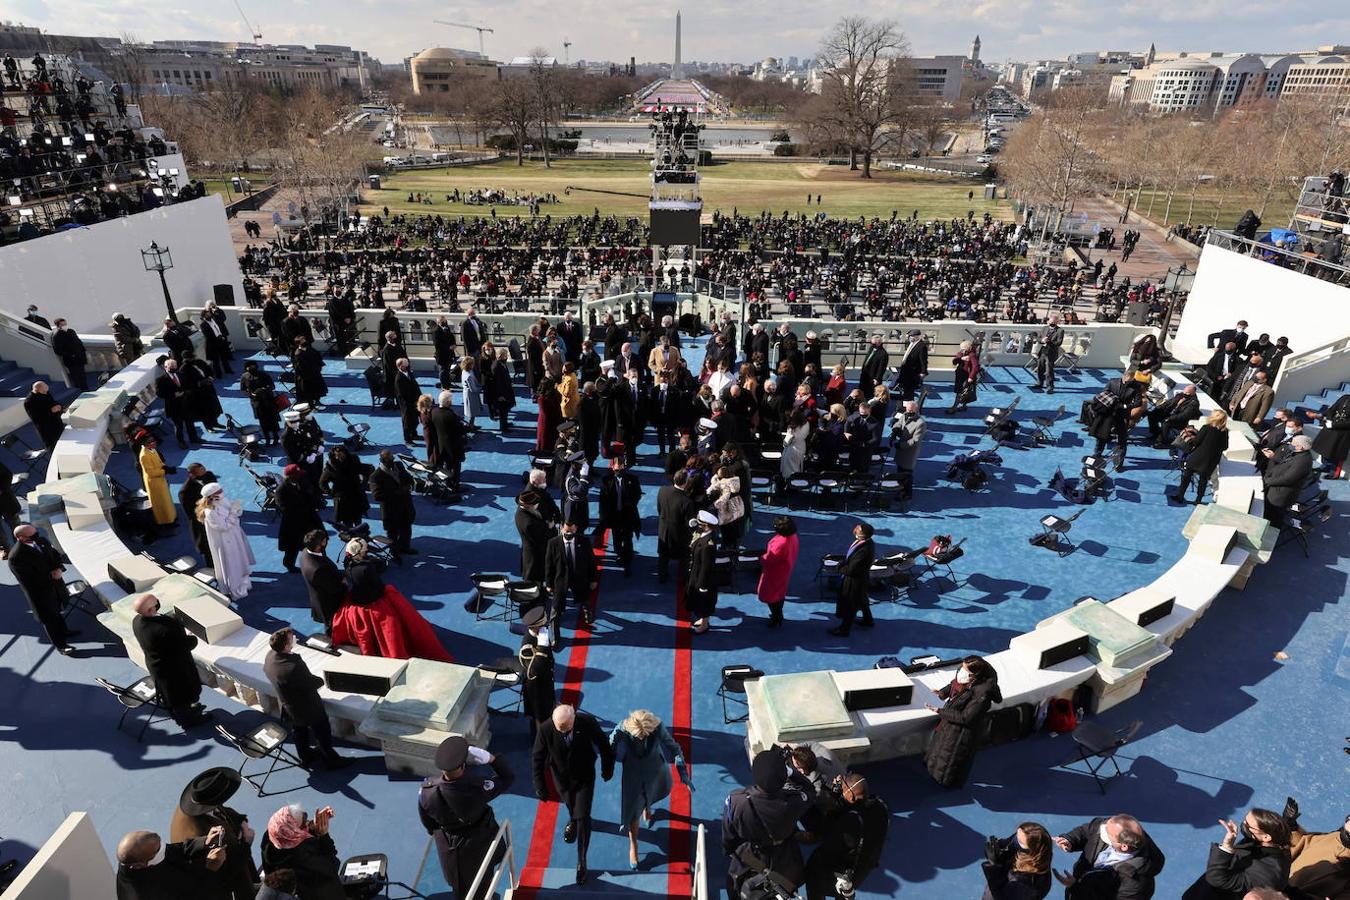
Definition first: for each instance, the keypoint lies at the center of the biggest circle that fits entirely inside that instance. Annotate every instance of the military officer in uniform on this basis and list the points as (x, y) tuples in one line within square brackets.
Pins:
[(455, 808)]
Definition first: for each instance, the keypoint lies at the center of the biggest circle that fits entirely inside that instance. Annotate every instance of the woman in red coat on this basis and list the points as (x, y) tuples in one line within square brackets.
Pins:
[(776, 568), (550, 415)]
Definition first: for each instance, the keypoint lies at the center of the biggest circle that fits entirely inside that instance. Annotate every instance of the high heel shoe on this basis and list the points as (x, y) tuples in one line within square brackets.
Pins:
[(632, 862)]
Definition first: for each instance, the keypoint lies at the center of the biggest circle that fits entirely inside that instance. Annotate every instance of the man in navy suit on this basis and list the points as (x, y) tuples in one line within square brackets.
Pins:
[(853, 583)]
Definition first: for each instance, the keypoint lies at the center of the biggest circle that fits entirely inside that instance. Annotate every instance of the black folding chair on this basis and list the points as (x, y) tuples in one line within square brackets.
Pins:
[(265, 742), (1055, 533), (1096, 746), (488, 588), (732, 690), (79, 597), (141, 694), (366, 877), (944, 560), (1041, 425)]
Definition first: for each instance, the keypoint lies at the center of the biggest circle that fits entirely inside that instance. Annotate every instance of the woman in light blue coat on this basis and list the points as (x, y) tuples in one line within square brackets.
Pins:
[(473, 391), (644, 751)]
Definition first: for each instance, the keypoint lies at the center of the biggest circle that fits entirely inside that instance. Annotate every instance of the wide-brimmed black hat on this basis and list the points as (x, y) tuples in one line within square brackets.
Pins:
[(209, 790)]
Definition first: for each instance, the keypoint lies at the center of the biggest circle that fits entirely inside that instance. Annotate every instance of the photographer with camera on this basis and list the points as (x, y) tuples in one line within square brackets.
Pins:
[(759, 831), (854, 833)]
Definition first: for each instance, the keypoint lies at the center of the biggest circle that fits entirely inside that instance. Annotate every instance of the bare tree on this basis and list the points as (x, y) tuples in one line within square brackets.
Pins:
[(1049, 161), (546, 94), (863, 66), (513, 108), (312, 154)]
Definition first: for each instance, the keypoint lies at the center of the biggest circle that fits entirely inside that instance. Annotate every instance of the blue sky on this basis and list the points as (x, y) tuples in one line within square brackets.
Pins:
[(742, 31)]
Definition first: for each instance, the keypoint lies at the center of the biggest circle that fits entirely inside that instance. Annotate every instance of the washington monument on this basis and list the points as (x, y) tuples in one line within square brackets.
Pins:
[(677, 70)]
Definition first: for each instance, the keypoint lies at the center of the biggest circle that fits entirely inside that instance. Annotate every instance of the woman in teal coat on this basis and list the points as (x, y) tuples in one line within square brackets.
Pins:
[(644, 751)]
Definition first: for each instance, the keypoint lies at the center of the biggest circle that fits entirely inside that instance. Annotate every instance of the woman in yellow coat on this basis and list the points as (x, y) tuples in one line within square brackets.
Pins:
[(156, 485), (571, 394)]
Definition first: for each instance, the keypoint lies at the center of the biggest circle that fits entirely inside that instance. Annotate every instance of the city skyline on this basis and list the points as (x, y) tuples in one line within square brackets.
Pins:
[(1010, 29)]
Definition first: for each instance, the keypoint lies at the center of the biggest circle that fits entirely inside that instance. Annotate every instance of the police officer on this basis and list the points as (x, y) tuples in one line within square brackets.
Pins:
[(759, 825), (455, 809), (852, 840)]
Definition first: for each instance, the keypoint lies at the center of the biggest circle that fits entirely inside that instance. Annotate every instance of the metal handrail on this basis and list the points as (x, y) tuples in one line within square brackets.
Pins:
[(503, 836), (1293, 261)]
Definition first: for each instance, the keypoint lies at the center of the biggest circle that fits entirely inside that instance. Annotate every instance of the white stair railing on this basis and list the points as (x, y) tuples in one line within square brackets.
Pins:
[(700, 886), (494, 870)]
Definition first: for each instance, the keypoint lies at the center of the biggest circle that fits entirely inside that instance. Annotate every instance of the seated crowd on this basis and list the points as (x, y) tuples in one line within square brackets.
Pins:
[(807, 266)]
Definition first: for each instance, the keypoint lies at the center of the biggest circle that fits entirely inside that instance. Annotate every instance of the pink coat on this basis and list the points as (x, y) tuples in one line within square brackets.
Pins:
[(776, 570)]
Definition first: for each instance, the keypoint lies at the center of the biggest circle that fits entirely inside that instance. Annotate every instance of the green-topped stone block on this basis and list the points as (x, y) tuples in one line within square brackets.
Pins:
[(430, 694), (1254, 533), (1115, 640), (90, 408), (171, 590), (804, 706)]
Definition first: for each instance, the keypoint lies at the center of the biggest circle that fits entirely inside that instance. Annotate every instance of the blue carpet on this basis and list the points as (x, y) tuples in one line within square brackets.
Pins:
[(1208, 746)]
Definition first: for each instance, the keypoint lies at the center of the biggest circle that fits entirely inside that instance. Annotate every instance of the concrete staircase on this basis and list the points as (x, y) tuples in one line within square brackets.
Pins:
[(1326, 398), (17, 381)]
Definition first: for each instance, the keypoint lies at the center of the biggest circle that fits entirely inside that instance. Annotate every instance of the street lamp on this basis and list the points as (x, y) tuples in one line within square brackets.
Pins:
[(157, 259), (1177, 280)]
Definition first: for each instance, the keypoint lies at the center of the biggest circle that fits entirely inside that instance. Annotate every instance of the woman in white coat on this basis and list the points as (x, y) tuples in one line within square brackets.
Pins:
[(794, 445), (230, 551)]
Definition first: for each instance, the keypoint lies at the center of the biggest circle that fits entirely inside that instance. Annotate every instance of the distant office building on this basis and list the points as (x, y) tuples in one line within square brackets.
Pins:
[(939, 76), (522, 66)]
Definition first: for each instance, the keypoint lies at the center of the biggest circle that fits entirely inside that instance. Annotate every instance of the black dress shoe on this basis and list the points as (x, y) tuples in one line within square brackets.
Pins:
[(581, 873), (66, 650), (838, 632), (570, 832)]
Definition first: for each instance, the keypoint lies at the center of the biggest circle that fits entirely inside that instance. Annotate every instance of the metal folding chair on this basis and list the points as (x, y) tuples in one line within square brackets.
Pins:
[(366, 877), (1041, 425), (1094, 742), (732, 690), (488, 588), (265, 742), (944, 560), (79, 597), (139, 695), (1055, 533)]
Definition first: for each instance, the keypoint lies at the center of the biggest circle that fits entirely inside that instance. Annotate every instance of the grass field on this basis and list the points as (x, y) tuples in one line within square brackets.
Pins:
[(1208, 208), (745, 186)]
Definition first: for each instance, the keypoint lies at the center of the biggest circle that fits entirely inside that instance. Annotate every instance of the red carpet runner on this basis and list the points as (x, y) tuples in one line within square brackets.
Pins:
[(546, 819)]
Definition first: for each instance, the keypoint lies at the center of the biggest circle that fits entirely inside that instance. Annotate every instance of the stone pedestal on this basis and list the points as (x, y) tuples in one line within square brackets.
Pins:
[(1124, 652), (428, 703)]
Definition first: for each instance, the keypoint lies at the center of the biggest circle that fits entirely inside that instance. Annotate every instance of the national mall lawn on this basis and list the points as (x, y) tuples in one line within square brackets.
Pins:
[(749, 187)]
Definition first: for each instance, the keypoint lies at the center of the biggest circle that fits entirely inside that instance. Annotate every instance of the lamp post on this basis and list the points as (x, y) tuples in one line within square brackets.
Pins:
[(1177, 280), (157, 259)]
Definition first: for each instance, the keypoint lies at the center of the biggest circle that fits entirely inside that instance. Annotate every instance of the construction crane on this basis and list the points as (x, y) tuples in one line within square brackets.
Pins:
[(567, 55), (257, 35), (478, 28)]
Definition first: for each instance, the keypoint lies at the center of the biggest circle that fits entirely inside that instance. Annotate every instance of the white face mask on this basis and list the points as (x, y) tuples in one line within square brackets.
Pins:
[(963, 676), (158, 857), (1289, 429)]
